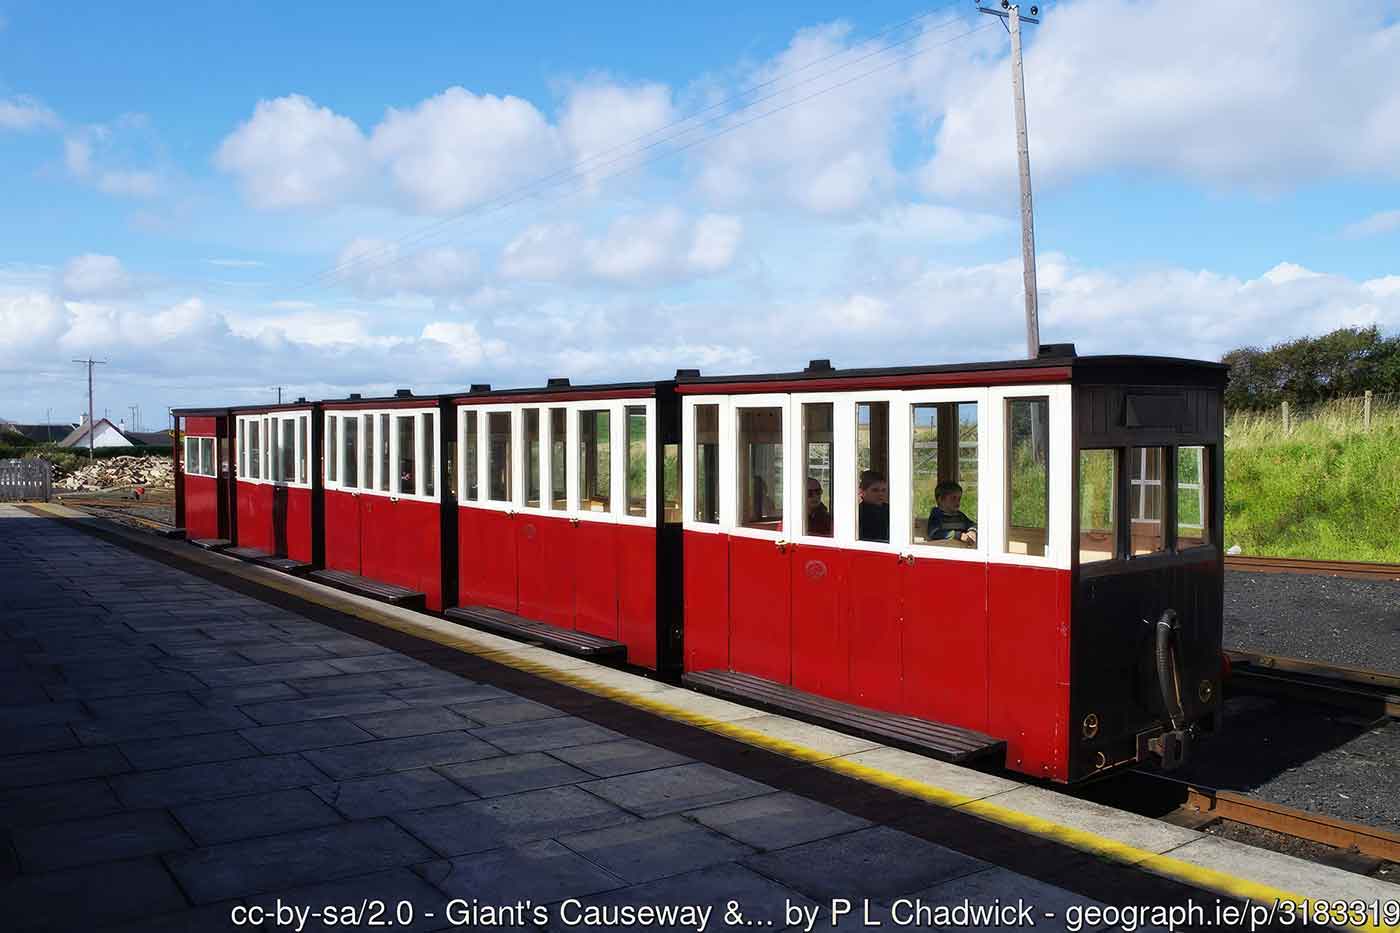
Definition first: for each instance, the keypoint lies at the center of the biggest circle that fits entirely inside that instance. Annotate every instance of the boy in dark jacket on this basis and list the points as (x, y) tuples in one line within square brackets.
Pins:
[(947, 522)]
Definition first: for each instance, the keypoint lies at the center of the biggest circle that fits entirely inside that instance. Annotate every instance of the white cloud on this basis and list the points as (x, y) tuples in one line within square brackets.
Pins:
[(31, 321), (376, 267), (1212, 97), (459, 149), (93, 275), (292, 153), (236, 263), (936, 223), (609, 126), (89, 152), (543, 253), (25, 113), (1377, 224), (714, 243), (462, 341)]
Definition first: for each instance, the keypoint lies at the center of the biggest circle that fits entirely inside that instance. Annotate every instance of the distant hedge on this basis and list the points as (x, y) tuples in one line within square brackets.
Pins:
[(1309, 370), (67, 454)]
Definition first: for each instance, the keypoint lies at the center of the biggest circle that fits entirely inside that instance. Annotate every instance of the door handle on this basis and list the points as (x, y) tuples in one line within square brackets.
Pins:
[(781, 544), (574, 522), (907, 559)]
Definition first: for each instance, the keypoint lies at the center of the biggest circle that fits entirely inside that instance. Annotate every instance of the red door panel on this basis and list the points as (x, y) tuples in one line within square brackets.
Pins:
[(545, 555), (760, 609), (945, 641), (595, 578), (342, 531), (373, 539), (820, 644), (637, 592), (299, 524), (255, 516), (488, 559), (706, 567), (871, 610), (1028, 664), (201, 507)]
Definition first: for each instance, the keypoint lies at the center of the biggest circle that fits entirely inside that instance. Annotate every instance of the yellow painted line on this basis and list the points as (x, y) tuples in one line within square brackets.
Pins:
[(1085, 841)]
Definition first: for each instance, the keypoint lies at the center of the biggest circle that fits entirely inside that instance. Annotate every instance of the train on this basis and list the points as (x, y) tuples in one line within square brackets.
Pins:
[(1018, 558)]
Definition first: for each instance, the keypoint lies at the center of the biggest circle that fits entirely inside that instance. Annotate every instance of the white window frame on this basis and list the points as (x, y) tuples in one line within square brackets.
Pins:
[(1199, 486), (393, 493), (1058, 543), (269, 459), (197, 461), (843, 460), (1142, 484), (729, 464), (688, 466)]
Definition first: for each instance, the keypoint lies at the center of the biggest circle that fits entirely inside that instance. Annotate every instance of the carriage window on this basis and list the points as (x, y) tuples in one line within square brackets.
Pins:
[(351, 428), (636, 461), (498, 466), (269, 447), (760, 449), (818, 448), (943, 474), (1027, 475), (303, 445), (427, 454), (242, 448), (873, 471), (1098, 505), (332, 451), (254, 451), (1145, 469), (558, 466), (288, 451), (707, 464), (1192, 490), (469, 441), (532, 457), (384, 463), (407, 473), (191, 455), (594, 461), (206, 456), (671, 483)]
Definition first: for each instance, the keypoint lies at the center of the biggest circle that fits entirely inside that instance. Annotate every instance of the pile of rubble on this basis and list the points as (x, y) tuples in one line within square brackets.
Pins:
[(120, 471)]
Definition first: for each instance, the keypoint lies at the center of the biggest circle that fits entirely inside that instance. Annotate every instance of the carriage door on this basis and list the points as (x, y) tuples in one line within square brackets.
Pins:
[(760, 587), (594, 460)]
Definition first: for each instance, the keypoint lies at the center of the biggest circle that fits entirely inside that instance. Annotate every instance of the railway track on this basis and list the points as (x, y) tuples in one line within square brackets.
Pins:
[(1370, 693), (1361, 570)]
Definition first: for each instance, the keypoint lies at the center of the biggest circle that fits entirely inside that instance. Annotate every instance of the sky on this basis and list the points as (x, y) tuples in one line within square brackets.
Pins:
[(220, 199)]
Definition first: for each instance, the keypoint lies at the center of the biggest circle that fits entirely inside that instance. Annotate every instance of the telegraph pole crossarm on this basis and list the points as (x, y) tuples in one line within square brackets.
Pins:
[(1012, 18)]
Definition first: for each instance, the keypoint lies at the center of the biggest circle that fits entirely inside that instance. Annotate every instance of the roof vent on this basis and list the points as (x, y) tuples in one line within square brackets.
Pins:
[(1056, 349), (355, 396), (819, 366), (687, 374), (301, 399), (403, 393), (557, 382), (481, 387)]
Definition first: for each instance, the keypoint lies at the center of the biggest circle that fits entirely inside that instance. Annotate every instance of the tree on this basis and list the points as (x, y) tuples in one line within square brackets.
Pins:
[(1345, 362)]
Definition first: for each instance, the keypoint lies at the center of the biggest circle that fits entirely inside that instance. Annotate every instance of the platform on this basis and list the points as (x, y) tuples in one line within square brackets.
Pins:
[(184, 733), (935, 739), (373, 589), (580, 644), (259, 556)]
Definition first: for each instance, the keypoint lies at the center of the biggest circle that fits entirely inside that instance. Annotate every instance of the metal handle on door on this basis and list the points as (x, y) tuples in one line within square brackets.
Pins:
[(907, 559), (781, 544), (574, 522)]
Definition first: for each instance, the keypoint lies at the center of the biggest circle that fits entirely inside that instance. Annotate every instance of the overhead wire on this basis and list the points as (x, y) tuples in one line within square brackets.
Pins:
[(582, 166), (585, 176)]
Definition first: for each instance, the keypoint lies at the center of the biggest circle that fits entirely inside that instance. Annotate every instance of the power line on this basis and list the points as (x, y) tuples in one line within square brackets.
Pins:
[(678, 149), (582, 167), (90, 364)]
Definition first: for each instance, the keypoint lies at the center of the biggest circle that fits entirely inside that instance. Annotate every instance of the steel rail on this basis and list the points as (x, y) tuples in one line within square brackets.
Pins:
[(1362, 570), (1370, 692)]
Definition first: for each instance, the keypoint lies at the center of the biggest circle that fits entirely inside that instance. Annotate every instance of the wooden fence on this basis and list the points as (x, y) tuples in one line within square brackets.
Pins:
[(30, 478)]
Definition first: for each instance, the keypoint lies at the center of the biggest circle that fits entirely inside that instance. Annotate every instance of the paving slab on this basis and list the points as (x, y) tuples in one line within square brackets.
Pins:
[(1151, 835), (52, 846), (192, 920), (36, 739), (625, 756), (990, 887), (817, 738), (544, 734), (281, 651), (160, 682), (376, 662), (466, 692), (343, 683), (878, 863), (191, 783), (966, 781), (258, 866), (502, 712), (142, 705), (233, 818), (152, 754), (61, 766), (299, 736), (464, 828), (651, 849), (398, 889), (421, 720), (776, 821), (49, 803), (246, 694), (513, 774), (671, 790), (350, 704), (399, 792), (108, 731), (1282, 871), (260, 673), (542, 872), (44, 714), (381, 756), (81, 898)]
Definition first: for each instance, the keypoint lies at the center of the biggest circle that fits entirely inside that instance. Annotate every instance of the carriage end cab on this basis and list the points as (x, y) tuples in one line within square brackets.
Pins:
[(203, 493), (902, 540), (568, 516), (277, 481), (385, 484)]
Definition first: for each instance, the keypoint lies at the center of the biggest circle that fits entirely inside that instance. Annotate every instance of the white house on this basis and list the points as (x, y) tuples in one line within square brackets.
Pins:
[(106, 434)]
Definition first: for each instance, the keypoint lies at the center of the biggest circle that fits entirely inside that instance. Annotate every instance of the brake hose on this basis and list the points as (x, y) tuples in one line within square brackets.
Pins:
[(1166, 669)]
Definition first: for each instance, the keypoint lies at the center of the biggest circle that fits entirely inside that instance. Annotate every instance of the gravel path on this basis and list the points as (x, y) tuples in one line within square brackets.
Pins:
[(1331, 619)]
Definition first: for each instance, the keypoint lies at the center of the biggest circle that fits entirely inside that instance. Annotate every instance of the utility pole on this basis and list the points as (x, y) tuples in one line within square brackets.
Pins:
[(279, 394), (1011, 18), (90, 364), (133, 417), (48, 424)]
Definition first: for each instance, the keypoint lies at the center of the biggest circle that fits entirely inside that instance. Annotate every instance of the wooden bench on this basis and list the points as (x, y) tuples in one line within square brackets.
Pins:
[(374, 589), (247, 553), (285, 564), (211, 544), (563, 640), (921, 736)]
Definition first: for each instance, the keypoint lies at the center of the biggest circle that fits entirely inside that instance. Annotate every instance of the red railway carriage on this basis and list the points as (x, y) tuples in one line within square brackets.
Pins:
[(202, 474), (1025, 549), (384, 492), (277, 483), (564, 498)]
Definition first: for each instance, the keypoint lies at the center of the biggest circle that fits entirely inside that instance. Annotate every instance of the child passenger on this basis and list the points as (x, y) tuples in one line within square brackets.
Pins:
[(947, 522)]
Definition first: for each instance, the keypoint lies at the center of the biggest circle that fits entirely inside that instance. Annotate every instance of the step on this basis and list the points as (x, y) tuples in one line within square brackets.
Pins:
[(211, 544), (247, 553), (921, 736), (374, 589), (286, 565), (564, 640)]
